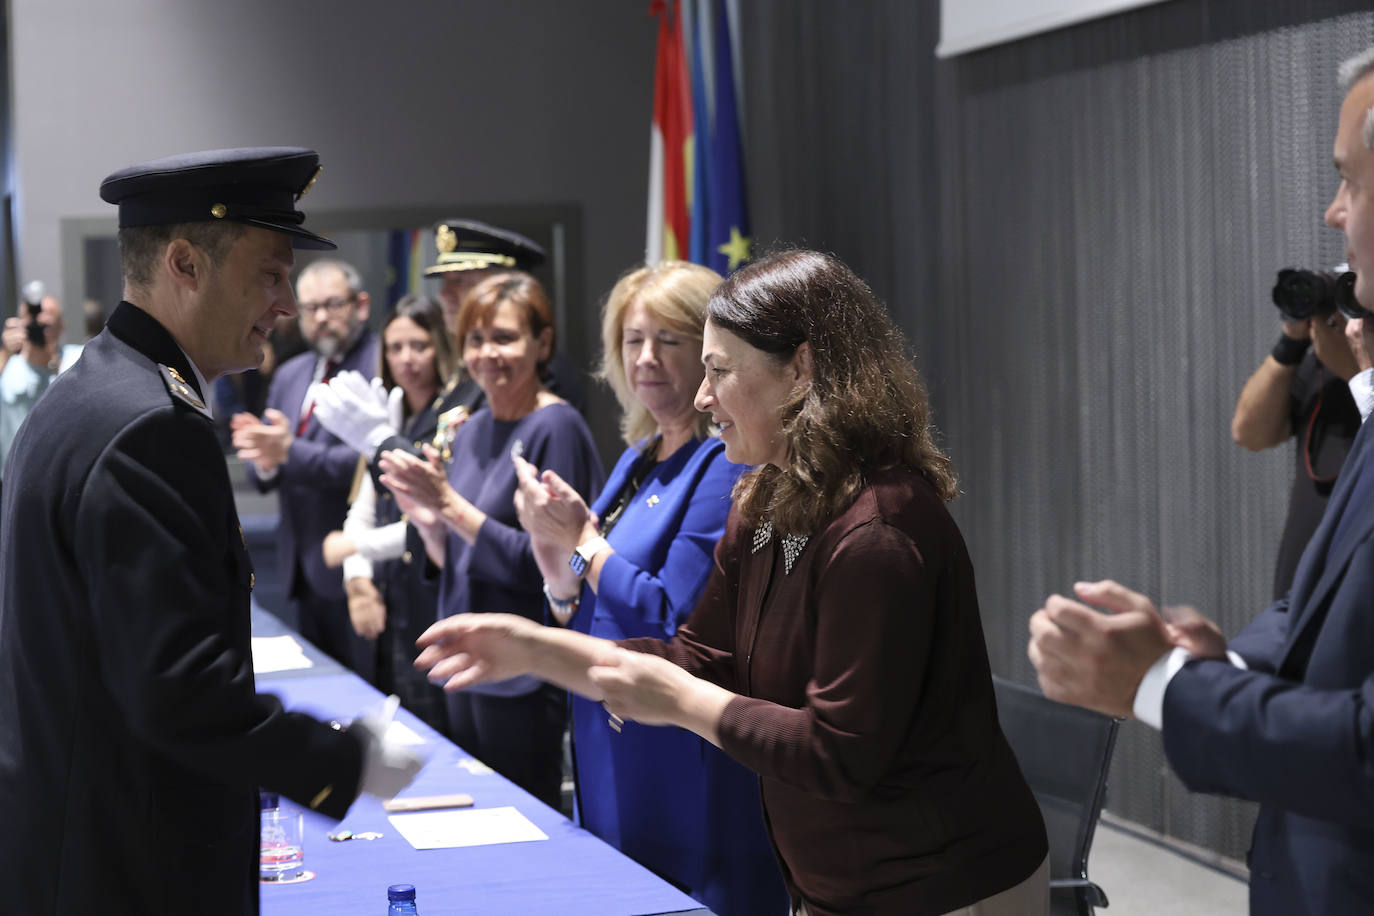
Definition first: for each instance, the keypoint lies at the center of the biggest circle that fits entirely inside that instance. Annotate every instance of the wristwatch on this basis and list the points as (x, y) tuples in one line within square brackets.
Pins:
[(583, 555)]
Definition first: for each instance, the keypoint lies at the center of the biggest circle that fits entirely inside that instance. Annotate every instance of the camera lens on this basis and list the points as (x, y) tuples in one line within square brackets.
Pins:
[(1300, 294)]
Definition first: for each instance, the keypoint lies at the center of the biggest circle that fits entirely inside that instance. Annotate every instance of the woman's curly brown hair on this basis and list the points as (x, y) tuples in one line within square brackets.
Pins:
[(866, 408)]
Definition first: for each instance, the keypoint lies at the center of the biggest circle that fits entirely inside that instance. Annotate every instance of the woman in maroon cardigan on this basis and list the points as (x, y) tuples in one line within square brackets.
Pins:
[(837, 650)]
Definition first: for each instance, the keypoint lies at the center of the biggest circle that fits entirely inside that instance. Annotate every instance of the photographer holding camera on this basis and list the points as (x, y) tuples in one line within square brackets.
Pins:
[(1302, 390), (31, 367)]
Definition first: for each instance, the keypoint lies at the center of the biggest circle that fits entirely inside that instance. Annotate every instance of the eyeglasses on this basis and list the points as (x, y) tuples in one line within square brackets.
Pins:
[(333, 306)]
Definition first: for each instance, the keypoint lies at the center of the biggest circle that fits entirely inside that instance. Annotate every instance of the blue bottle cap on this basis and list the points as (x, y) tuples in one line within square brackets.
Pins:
[(400, 892)]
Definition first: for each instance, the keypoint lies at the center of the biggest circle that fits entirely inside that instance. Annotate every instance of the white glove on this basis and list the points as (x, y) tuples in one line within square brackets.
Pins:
[(388, 765), (354, 410), (395, 409)]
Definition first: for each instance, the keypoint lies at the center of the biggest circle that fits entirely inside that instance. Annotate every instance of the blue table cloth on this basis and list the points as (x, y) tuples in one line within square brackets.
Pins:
[(570, 873)]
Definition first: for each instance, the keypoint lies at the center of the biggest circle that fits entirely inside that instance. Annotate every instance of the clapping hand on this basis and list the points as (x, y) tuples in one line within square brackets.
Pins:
[(1093, 659), (549, 509), (422, 484), (359, 412)]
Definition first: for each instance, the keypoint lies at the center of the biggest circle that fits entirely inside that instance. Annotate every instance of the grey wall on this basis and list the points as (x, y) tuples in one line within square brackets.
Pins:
[(415, 105)]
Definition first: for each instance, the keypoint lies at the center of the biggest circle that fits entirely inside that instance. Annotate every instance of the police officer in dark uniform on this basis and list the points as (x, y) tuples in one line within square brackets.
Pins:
[(468, 251), (132, 741)]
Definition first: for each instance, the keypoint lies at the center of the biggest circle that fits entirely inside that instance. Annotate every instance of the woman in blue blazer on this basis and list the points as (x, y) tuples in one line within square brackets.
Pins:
[(635, 565)]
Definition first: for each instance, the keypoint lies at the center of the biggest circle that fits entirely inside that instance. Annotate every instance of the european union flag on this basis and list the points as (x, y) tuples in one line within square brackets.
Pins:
[(729, 243)]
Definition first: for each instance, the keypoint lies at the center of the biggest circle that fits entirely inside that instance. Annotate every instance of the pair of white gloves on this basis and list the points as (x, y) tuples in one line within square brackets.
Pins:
[(359, 412)]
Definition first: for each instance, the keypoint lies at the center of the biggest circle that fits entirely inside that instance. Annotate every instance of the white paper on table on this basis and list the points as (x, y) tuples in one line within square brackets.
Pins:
[(401, 733), (278, 653), (474, 827)]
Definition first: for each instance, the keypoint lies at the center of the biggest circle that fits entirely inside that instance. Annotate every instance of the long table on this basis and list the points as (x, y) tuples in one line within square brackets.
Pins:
[(570, 873)]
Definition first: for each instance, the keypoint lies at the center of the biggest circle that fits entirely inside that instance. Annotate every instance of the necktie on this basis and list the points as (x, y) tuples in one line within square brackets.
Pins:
[(330, 368)]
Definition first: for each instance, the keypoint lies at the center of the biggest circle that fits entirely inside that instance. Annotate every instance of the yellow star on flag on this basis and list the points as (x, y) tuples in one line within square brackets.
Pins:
[(737, 249)]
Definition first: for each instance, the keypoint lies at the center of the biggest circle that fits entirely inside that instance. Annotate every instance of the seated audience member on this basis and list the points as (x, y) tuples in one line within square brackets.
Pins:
[(390, 598), (468, 520), (665, 797), (837, 650)]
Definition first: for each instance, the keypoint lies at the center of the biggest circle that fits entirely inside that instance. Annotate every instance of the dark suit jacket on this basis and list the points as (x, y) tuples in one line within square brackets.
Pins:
[(132, 742), (1296, 731), (314, 482), (866, 707)]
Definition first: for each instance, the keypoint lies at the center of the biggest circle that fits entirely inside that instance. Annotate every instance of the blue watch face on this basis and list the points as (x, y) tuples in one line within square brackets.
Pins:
[(577, 563)]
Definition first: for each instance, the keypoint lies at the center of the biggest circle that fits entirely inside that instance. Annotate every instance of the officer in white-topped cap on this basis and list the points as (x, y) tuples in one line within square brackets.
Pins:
[(132, 741)]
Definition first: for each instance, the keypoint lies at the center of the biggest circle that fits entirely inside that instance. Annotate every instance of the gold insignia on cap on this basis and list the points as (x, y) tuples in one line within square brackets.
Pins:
[(311, 183), (445, 239), (218, 211)]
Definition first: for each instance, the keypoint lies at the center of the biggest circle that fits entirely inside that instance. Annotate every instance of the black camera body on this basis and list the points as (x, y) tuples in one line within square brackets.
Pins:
[(1301, 294), (34, 331)]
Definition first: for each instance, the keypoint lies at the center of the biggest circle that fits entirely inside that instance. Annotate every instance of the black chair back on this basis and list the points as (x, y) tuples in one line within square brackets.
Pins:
[(1064, 753)]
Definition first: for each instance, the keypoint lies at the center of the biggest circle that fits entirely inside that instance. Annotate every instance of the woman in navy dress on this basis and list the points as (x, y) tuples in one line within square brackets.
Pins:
[(468, 523), (665, 797)]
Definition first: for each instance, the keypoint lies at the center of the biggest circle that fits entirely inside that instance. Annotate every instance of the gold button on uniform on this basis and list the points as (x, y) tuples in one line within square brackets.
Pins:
[(405, 557)]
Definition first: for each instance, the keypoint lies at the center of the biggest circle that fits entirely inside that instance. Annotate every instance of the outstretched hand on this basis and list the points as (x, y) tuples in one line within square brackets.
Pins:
[(473, 649)]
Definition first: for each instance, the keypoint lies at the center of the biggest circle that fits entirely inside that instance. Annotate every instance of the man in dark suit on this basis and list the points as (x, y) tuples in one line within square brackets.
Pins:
[(311, 468), (132, 741), (1285, 714)]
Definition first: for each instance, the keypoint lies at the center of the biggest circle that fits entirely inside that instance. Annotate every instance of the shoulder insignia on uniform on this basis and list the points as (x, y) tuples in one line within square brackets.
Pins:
[(178, 387)]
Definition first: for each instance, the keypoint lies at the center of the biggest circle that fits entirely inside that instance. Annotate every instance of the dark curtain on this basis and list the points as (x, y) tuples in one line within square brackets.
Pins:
[(1079, 232)]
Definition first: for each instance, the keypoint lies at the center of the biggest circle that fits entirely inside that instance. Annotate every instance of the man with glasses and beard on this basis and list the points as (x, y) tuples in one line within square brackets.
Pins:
[(311, 468)]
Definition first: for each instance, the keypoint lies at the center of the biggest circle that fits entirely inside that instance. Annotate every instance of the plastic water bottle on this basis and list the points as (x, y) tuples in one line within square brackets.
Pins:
[(402, 900)]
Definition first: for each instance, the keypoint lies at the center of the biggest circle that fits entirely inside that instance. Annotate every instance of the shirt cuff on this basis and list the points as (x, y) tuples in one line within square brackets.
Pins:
[(265, 476), (1362, 390), (1149, 696), (357, 567), (385, 543)]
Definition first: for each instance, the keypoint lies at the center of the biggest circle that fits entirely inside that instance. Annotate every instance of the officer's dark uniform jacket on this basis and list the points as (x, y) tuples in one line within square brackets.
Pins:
[(132, 741)]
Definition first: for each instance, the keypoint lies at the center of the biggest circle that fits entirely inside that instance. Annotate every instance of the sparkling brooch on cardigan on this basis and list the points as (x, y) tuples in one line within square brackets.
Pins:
[(792, 545)]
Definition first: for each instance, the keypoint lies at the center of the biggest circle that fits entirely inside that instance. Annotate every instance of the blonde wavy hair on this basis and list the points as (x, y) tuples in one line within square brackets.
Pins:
[(674, 293)]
